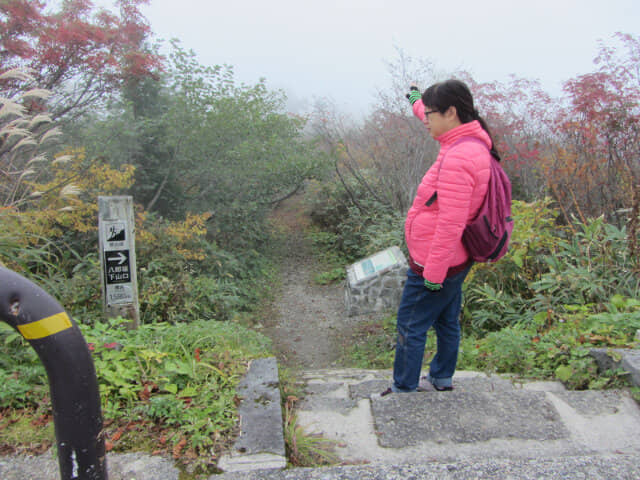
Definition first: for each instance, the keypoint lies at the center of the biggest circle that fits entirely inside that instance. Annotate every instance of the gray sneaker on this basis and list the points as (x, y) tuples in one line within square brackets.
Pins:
[(424, 385)]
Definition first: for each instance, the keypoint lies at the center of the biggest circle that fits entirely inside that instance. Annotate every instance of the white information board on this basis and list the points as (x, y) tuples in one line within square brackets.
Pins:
[(369, 266)]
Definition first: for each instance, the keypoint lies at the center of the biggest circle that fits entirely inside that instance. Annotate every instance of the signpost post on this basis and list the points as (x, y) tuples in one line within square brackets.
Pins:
[(116, 229)]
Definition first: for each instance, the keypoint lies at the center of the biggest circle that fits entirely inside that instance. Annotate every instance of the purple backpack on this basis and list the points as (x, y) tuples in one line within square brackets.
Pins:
[(487, 237)]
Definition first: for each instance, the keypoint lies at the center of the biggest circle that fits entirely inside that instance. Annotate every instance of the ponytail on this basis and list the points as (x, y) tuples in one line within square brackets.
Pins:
[(485, 127)]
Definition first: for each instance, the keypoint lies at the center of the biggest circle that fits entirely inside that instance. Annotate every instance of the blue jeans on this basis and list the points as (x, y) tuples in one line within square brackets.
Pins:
[(421, 309)]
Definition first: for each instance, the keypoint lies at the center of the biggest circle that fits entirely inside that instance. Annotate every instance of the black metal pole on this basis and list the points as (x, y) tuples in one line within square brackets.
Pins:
[(75, 397)]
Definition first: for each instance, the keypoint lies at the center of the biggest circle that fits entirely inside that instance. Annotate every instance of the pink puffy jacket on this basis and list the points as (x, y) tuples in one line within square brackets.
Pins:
[(434, 224)]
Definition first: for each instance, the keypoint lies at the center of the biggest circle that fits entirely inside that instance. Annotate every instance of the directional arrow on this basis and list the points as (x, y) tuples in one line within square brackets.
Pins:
[(121, 258)]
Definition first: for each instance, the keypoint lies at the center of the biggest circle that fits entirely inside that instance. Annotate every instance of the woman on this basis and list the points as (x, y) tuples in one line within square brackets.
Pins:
[(448, 198)]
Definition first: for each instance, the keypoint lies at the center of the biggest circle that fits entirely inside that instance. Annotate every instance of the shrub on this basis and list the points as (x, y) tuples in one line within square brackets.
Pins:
[(178, 378), (497, 295)]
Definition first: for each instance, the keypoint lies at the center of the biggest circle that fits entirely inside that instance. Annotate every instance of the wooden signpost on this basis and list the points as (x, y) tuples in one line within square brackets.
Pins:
[(116, 229)]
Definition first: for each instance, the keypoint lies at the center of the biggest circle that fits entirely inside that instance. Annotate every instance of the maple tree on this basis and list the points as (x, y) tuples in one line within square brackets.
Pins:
[(581, 148), (594, 167), (519, 114), (79, 53)]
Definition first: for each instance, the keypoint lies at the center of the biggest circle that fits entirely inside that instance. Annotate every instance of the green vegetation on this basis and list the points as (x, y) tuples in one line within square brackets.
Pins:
[(170, 387), (206, 161), (559, 292)]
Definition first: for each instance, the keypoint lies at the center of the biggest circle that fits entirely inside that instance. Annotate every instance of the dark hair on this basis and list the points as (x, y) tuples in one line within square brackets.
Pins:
[(454, 93)]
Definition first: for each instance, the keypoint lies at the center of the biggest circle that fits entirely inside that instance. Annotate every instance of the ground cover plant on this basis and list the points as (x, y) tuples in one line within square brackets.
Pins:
[(165, 388), (538, 312), (302, 449)]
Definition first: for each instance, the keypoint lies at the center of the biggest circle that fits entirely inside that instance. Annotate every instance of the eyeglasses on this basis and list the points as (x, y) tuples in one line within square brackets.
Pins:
[(429, 112)]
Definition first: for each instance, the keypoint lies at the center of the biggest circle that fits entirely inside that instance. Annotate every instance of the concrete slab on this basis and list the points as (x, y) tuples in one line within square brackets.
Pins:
[(600, 421), (464, 382), (543, 386), (593, 403), (473, 382), (362, 390), (465, 417), (547, 422), (324, 396), (261, 441)]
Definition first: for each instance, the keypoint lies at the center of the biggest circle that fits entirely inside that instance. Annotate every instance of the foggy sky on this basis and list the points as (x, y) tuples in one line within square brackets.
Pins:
[(338, 48)]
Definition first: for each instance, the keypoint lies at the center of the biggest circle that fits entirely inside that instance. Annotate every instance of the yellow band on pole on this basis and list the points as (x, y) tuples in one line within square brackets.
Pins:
[(45, 327)]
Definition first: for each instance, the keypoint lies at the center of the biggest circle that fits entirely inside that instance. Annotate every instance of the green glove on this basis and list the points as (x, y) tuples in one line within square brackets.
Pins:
[(413, 95), (434, 287)]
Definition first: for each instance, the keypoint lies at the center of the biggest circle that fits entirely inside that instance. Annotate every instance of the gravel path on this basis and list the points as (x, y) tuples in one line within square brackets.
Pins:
[(308, 324), (309, 321)]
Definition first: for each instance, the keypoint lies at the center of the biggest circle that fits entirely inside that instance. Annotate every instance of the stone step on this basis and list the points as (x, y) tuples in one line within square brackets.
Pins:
[(488, 427), (615, 467), (260, 444), (484, 417)]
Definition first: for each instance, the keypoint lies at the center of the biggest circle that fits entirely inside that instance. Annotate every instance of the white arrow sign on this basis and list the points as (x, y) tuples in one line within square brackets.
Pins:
[(121, 258)]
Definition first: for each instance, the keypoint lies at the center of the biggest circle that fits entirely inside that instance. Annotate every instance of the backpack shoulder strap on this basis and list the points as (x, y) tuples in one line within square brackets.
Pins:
[(460, 140)]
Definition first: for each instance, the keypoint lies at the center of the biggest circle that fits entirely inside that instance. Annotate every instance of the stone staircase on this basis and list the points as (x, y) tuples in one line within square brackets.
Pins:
[(484, 416), (488, 427)]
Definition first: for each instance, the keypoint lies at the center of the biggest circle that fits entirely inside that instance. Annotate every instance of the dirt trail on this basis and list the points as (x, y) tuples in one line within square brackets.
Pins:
[(308, 325)]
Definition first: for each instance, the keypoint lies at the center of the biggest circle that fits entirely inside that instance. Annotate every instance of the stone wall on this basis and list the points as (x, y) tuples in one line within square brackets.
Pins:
[(375, 283)]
